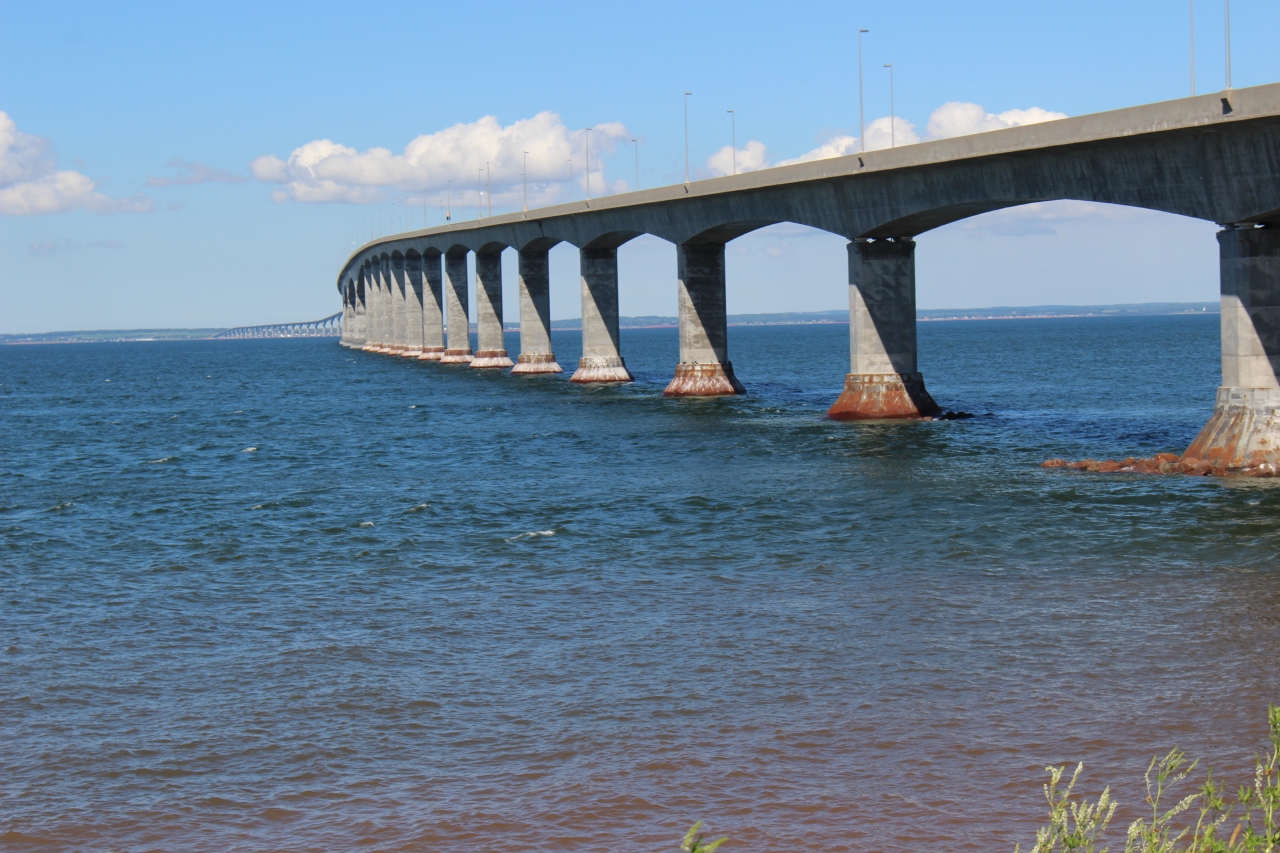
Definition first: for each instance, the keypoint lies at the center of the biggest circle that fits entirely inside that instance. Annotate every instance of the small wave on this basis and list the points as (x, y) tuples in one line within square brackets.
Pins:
[(250, 450), (365, 524), (61, 506), (532, 534), (418, 507), (160, 461)]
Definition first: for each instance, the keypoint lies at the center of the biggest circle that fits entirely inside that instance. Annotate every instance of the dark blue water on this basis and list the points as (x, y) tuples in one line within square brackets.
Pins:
[(281, 596)]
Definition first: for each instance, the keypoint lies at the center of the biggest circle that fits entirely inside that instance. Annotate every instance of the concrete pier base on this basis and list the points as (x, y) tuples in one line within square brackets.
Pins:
[(609, 368), (601, 357), (491, 358), (431, 354), (538, 362), (882, 382), (535, 313), (458, 345), (1244, 431), (704, 369), (883, 396), (704, 380), (490, 351)]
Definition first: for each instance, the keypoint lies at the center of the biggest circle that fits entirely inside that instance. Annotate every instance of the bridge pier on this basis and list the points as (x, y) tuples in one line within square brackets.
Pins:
[(601, 358), (458, 349), (412, 306), (359, 311), (883, 381), (535, 314), (373, 295), (382, 274), (1245, 428), (398, 339), (704, 369), (491, 349), (432, 308)]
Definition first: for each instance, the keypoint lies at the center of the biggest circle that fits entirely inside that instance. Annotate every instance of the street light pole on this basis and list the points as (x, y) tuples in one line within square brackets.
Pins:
[(893, 138), (488, 188), (570, 162), (525, 176), (862, 125), (733, 124), (686, 137), (637, 144), (479, 194), (448, 208), (1193, 46), (1228, 14), (587, 143)]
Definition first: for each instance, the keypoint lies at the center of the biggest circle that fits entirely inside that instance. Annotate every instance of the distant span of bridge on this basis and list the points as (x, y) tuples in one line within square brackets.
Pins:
[(1212, 157)]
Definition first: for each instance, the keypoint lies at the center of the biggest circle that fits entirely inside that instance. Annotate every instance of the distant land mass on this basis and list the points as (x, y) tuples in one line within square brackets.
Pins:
[(785, 318)]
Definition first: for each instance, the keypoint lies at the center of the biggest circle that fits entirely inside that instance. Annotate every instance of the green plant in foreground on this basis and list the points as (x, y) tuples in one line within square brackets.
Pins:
[(1078, 826), (693, 841)]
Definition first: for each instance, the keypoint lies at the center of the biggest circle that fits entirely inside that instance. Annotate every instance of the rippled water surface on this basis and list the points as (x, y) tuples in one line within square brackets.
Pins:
[(279, 596)]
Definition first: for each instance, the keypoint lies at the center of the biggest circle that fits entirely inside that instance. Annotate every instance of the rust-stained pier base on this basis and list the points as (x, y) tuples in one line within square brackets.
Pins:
[(458, 349), (1244, 431), (432, 307), (704, 369), (601, 357), (536, 355), (883, 381), (491, 350)]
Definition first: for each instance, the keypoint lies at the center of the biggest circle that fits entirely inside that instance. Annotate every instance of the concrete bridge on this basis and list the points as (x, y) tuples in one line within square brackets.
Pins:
[(1213, 157), (329, 327)]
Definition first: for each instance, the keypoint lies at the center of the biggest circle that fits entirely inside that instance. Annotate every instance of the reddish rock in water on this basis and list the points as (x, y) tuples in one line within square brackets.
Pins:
[(1195, 467), (1167, 457), (1108, 467), (1054, 463)]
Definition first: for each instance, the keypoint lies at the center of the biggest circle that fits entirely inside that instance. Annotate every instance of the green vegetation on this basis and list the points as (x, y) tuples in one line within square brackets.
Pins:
[(693, 841), (1206, 820)]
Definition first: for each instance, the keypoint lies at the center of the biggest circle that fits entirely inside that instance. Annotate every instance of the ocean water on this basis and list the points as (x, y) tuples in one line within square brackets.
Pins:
[(280, 596)]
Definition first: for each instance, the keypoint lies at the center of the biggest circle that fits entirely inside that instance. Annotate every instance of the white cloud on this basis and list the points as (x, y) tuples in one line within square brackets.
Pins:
[(325, 171), (953, 119), (1042, 217), (749, 158), (196, 173), (961, 119), (30, 182), (51, 247)]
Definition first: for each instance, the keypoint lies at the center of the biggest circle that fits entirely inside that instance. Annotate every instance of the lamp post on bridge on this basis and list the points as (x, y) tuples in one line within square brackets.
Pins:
[(1227, 10), (587, 137), (637, 145), (686, 137), (733, 139), (893, 139), (525, 176), (862, 127)]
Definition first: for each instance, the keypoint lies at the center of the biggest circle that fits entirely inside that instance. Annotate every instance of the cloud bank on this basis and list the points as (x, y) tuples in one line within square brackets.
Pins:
[(453, 161), (195, 173), (31, 183), (953, 119)]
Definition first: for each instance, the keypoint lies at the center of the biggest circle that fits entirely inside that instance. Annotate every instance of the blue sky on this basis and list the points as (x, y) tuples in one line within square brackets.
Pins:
[(122, 94)]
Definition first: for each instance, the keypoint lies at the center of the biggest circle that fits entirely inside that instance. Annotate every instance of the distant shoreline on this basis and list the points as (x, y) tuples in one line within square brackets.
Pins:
[(794, 318)]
